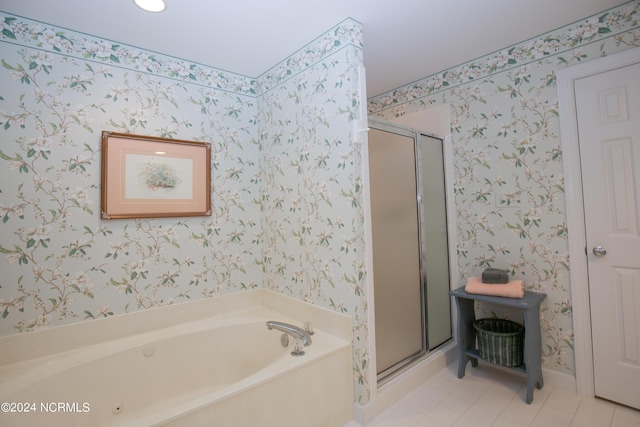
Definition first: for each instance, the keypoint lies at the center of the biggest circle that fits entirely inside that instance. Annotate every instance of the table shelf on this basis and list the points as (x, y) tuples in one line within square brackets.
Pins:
[(466, 339), (473, 352)]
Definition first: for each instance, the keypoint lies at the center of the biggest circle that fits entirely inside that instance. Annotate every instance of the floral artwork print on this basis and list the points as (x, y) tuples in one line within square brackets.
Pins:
[(159, 176)]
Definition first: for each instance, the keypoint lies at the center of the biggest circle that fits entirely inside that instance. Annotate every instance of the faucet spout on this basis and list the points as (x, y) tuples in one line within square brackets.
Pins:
[(292, 330)]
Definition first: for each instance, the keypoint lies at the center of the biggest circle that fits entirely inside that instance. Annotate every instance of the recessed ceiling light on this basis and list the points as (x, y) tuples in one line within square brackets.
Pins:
[(151, 5)]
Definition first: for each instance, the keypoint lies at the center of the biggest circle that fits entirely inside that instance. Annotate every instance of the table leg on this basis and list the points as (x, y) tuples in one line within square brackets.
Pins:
[(466, 334), (532, 350)]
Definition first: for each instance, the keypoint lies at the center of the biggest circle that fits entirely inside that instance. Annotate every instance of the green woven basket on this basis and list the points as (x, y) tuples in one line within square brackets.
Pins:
[(500, 341)]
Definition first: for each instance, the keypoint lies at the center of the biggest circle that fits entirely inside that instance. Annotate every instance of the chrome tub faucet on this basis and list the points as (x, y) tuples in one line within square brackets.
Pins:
[(299, 334)]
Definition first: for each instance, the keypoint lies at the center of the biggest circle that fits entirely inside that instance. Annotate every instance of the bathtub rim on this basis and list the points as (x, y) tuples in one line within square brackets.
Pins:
[(281, 366), (17, 376), (26, 346)]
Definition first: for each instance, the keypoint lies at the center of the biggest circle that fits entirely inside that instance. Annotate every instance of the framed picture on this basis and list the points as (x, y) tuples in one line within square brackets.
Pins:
[(145, 177)]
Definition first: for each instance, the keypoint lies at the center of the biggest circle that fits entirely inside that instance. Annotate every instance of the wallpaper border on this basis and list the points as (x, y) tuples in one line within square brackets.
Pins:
[(569, 37), (33, 34)]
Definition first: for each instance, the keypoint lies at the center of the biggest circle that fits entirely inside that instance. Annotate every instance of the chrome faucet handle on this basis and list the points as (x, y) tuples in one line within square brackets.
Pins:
[(297, 348), (308, 328)]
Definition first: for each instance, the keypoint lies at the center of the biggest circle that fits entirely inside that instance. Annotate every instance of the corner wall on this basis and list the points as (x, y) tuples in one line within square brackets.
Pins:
[(285, 180), (311, 178), (509, 188)]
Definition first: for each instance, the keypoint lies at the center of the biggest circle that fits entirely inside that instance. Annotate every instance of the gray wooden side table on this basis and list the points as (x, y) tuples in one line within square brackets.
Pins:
[(530, 305)]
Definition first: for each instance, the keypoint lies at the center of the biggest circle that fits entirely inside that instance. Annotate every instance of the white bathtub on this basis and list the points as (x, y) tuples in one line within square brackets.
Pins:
[(221, 370)]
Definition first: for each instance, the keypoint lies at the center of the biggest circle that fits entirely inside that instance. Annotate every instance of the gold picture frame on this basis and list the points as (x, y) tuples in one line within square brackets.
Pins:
[(152, 177)]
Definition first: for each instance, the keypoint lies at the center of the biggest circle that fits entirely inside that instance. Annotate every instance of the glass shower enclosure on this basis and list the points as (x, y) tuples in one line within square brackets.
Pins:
[(410, 245)]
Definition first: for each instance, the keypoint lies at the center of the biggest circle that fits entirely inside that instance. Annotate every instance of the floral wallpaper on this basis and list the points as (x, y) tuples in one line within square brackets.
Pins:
[(286, 179), (61, 263), (312, 231), (286, 175), (509, 190)]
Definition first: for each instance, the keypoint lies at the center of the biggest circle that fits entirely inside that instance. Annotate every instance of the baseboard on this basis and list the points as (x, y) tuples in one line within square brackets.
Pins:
[(559, 379)]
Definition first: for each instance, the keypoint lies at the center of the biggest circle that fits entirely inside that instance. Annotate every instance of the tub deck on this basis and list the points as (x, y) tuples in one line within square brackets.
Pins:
[(226, 367)]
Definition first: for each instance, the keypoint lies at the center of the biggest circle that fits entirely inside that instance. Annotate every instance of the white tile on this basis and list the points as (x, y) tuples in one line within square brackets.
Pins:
[(498, 388), (539, 395), (598, 404), (388, 422), (555, 415), (621, 422), (506, 422), (456, 403), (444, 383), (488, 397), (425, 397), (495, 399), (408, 413), (485, 371), (625, 413), (592, 413), (437, 389), (444, 415), (520, 411), (541, 422), (466, 422), (471, 390), (564, 399), (482, 416), (479, 382), (510, 382), (429, 422)]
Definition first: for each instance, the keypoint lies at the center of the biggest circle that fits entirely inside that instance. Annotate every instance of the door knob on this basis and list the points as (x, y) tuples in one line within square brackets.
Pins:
[(599, 251)]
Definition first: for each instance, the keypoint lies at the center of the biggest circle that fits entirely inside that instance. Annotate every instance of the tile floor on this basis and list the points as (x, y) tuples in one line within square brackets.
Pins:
[(491, 397)]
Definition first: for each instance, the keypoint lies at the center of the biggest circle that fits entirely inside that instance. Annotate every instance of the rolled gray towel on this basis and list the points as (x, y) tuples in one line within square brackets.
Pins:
[(495, 275)]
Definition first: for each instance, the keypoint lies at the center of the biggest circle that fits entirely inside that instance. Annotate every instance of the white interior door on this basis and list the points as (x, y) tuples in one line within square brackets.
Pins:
[(608, 112)]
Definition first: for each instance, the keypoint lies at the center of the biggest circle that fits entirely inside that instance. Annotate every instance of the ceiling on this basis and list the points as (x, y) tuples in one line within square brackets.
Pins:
[(404, 40)]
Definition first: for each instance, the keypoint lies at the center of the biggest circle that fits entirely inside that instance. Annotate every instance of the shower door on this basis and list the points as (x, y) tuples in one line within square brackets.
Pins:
[(410, 250)]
